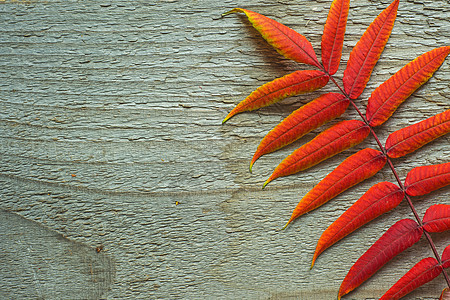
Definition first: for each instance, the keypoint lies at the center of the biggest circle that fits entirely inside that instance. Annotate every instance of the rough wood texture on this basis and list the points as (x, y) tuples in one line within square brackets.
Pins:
[(110, 115)]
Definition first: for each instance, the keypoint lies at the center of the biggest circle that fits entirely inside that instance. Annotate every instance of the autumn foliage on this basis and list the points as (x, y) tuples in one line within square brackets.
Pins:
[(383, 102)]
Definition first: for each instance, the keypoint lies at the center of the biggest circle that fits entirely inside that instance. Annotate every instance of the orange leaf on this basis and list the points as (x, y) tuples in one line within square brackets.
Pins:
[(411, 138), (367, 51), (296, 83), (333, 35), (286, 41), (380, 198), (308, 117), (437, 218), (396, 239), (424, 271), (330, 142), (424, 180), (356, 168), (389, 95)]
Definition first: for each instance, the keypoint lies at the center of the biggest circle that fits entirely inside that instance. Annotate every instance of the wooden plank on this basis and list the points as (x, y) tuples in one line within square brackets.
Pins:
[(110, 114)]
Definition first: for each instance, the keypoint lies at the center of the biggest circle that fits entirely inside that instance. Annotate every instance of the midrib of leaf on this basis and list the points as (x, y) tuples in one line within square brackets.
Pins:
[(404, 83), (428, 178)]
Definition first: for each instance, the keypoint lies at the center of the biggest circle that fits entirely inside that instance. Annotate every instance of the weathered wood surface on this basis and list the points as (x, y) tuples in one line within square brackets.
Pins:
[(110, 114)]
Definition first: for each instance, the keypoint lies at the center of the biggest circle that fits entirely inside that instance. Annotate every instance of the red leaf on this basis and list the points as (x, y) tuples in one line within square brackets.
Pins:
[(286, 41), (356, 168), (445, 258), (380, 198), (396, 239), (411, 138), (296, 83), (367, 51), (388, 96), (300, 122), (437, 218), (333, 35), (328, 143), (424, 271), (424, 180)]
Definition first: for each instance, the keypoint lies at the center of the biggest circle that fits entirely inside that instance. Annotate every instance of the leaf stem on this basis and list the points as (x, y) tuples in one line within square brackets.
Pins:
[(391, 165)]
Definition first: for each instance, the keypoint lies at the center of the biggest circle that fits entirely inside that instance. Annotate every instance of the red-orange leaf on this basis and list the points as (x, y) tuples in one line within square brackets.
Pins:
[(380, 198), (289, 85), (333, 35), (411, 138), (437, 218), (286, 41), (424, 271), (396, 239), (356, 168), (446, 257), (308, 117), (330, 142), (424, 180), (367, 51), (389, 95)]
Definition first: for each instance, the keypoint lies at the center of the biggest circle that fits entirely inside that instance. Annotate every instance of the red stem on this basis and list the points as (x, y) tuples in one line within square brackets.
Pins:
[(408, 199)]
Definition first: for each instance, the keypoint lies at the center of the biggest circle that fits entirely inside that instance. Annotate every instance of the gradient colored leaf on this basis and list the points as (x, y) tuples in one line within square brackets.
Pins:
[(411, 138), (379, 199), (367, 51), (424, 180), (308, 117), (396, 239), (437, 218), (424, 271), (356, 168), (333, 35), (296, 83), (445, 295), (286, 41), (332, 141), (389, 95)]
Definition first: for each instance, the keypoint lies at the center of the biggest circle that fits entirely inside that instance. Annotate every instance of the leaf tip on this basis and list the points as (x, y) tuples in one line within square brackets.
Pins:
[(267, 182), (230, 12)]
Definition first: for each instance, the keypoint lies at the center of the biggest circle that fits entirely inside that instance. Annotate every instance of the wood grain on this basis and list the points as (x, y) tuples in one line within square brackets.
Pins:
[(110, 115)]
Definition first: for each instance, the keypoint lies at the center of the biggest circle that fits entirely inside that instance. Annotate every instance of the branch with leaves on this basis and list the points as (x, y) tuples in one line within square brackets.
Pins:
[(383, 102)]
